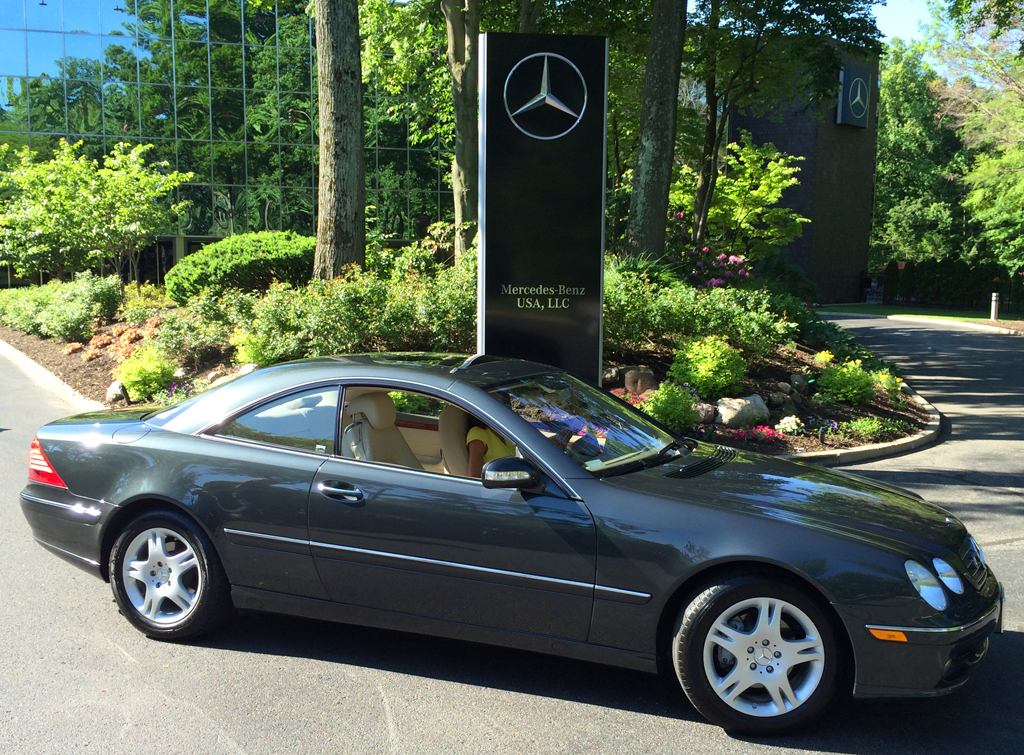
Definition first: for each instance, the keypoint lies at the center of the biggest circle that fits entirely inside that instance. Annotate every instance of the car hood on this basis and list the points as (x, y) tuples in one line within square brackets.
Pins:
[(803, 494)]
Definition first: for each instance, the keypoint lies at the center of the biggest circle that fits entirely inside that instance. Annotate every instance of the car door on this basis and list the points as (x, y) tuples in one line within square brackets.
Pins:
[(444, 547)]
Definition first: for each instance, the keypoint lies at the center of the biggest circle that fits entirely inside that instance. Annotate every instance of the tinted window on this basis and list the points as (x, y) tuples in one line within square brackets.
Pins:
[(301, 420)]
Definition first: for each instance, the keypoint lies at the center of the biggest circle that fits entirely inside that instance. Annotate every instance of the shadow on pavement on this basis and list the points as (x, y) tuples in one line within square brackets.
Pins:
[(987, 715)]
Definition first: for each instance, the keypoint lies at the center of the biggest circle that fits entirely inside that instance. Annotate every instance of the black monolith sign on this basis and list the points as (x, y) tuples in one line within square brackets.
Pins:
[(854, 97), (542, 181)]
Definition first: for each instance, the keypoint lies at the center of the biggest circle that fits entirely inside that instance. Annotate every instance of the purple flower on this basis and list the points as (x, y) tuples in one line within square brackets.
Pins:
[(700, 265), (690, 254), (742, 272), (671, 259), (728, 273), (721, 256), (693, 275)]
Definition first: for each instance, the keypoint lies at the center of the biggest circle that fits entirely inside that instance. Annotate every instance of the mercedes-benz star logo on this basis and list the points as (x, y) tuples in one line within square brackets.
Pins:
[(545, 115), (858, 98)]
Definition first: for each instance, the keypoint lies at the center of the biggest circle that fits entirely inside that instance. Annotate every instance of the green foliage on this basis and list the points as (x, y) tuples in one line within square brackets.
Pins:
[(449, 307), (745, 217), (66, 311), (672, 406), (847, 382), (875, 428), (202, 330), (146, 372), (632, 312), (709, 365), (248, 261), (142, 303)]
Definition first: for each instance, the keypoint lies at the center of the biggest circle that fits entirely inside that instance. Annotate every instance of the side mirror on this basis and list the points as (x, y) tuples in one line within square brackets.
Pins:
[(512, 472)]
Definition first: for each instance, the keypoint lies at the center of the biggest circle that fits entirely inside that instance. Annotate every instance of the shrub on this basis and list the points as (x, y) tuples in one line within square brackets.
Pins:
[(147, 371), (143, 304), (449, 307), (847, 382), (631, 309), (61, 310), (248, 261), (672, 406), (709, 365)]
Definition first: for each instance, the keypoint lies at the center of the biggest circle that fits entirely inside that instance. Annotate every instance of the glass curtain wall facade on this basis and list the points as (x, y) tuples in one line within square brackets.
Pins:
[(224, 89)]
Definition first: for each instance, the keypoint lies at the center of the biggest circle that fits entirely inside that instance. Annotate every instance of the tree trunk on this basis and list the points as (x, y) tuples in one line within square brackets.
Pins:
[(341, 229), (529, 12), (462, 20), (652, 174)]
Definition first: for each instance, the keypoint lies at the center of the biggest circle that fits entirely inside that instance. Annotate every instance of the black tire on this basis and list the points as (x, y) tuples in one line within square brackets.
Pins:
[(747, 673), (177, 589)]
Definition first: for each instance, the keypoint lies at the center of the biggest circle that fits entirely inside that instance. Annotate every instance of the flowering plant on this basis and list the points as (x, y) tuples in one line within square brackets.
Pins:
[(791, 425), (633, 399), (824, 357)]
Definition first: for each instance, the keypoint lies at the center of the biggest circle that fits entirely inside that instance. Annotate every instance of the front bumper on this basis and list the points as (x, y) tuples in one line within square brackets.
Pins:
[(932, 661)]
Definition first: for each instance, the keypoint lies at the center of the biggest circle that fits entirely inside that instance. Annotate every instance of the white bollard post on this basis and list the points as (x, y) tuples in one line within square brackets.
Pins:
[(994, 314)]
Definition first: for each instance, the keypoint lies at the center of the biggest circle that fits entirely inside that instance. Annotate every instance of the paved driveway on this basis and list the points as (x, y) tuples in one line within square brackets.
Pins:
[(76, 678)]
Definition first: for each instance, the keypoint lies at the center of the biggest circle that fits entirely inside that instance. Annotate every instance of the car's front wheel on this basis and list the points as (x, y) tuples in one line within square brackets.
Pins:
[(166, 577), (755, 655)]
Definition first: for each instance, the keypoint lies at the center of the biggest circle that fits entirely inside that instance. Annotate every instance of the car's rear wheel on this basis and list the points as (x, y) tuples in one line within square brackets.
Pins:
[(166, 577), (755, 655)]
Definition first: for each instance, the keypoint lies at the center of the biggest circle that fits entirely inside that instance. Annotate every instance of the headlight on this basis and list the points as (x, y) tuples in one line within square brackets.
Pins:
[(927, 585), (948, 576)]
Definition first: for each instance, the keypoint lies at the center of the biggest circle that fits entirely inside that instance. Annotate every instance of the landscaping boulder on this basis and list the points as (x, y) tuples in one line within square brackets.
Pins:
[(215, 375), (740, 412), (115, 392), (785, 387), (245, 369), (224, 379), (789, 405), (640, 380), (800, 384), (179, 373), (706, 413), (610, 377), (776, 399)]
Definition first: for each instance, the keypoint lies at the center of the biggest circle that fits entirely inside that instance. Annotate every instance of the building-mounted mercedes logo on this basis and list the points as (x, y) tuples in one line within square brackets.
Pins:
[(858, 98), (545, 95)]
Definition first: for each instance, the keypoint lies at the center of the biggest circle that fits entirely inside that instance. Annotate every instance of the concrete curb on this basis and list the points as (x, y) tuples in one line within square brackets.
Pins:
[(43, 376), (930, 321), (842, 456)]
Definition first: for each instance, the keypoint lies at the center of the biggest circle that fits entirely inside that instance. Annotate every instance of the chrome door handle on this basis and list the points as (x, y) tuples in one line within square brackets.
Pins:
[(349, 493)]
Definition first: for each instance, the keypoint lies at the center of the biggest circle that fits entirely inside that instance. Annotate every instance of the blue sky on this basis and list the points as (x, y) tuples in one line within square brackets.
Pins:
[(899, 18)]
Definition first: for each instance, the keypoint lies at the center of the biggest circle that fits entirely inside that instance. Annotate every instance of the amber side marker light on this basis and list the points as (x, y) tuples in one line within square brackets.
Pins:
[(39, 469), (888, 635)]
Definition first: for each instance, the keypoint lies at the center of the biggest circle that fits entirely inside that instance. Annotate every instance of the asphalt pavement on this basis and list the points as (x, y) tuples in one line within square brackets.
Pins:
[(76, 678)]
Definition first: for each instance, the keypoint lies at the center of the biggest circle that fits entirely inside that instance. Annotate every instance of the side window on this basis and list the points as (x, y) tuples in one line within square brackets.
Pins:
[(305, 421)]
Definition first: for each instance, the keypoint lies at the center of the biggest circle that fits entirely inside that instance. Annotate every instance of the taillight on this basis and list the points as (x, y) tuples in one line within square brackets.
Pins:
[(39, 469)]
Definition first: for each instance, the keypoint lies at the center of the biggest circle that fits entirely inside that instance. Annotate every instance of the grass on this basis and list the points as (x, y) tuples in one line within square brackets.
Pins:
[(884, 310)]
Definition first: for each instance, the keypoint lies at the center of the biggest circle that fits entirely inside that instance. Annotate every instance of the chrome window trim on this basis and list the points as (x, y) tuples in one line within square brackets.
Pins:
[(938, 630), (299, 388), (410, 470)]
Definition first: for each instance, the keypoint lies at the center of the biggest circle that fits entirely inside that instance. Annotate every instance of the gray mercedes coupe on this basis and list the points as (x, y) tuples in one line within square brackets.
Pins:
[(340, 489)]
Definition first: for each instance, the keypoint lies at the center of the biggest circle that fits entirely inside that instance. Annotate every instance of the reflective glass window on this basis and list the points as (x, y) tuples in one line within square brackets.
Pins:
[(193, 107), (153, 20), (259, 26), (293, 30), (226, 66), (197, 220), (228, 114), (43, 17), (225, 208), (307, 421), (191, 64), (82, 53), (12, 53), (119, 61), (155, 65), (85, 107), (82, 16), (293, 70), (260, 67), (195, 157), (296, 122), (262, 118), (229, 162), (115, 18), (157, 111), (297, 210), (297, 165), (45, 53), (262, 162), (121, 109), (190, 20), (262, 206), (226, 20), (164, 150), (12, 15), (13, 104), (46, 105)]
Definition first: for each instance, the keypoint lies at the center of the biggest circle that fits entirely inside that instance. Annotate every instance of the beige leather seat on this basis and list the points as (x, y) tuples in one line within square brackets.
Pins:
[(452, 426), (372, 436)]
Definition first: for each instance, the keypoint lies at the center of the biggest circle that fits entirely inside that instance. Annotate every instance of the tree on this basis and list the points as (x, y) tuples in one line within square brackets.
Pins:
[(341, 230), (760, 54), (917, 210), (652, 172), (131, 205), (49, 215)]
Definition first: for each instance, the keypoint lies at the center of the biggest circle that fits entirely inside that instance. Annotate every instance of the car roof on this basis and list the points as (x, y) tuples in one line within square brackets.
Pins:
[(430, 370)]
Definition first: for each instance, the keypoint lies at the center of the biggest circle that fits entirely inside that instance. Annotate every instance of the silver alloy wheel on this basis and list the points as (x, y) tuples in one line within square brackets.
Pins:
[(764, 657), (162, 576)]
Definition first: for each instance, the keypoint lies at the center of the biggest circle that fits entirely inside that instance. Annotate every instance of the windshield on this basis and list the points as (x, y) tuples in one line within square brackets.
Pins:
[(593, 428)]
